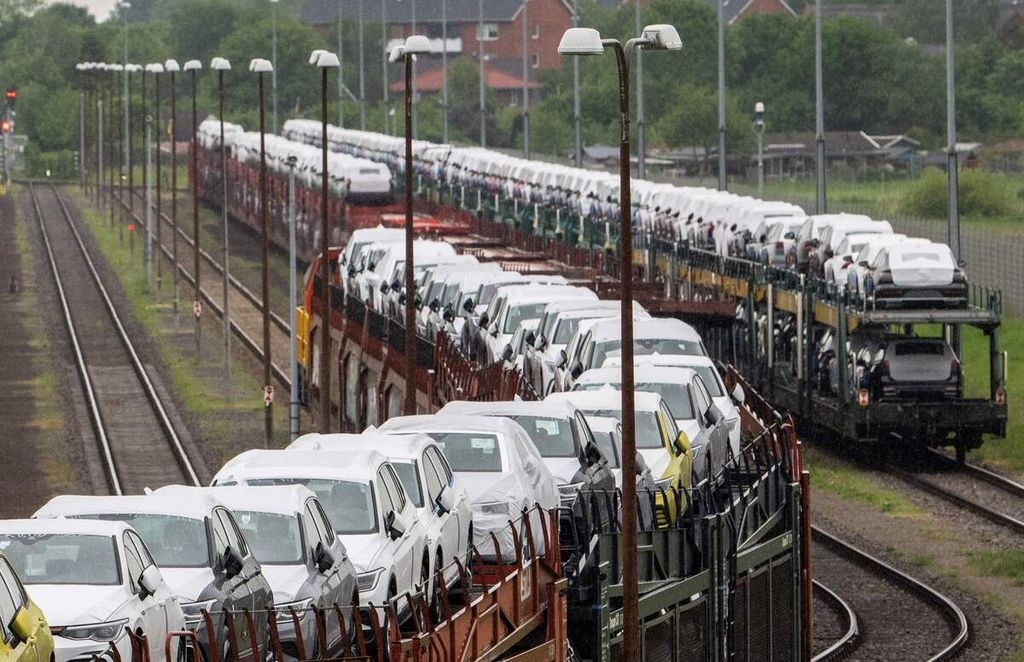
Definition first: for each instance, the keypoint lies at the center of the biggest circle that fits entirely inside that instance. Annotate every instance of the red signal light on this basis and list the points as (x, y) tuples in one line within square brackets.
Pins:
[(5, 126), (12, 93)]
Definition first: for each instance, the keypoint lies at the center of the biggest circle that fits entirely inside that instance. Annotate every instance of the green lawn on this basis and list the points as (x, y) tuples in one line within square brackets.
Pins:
[(1008, 452)]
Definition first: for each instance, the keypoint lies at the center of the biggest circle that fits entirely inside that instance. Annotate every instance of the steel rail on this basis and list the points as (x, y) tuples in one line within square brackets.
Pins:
[(995, 516), (847, 643), (951, 612)]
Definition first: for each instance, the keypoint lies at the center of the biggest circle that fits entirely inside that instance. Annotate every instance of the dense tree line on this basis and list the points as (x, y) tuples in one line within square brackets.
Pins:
[(876, 77)]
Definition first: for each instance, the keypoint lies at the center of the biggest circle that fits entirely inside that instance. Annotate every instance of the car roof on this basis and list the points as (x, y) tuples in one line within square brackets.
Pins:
[(282, 499), (59, 525), (552, 408), (187, 502), (259, 463), (406, 446), (451, 423), (646, 328), (665, 360), (641, 373), (606, 398)]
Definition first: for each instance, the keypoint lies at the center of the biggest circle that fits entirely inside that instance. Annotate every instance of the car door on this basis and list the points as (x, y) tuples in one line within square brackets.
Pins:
[(447, 522), (324, 585), (717, 432), (233, 589), (401, 558), (12, 598), (345, 580), (152, 614), (256, 583)]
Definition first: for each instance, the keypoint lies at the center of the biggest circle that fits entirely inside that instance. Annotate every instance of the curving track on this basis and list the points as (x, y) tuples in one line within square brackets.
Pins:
[(138, 443)]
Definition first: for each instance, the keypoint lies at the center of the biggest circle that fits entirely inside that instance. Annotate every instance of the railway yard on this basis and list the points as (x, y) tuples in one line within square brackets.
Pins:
[(330, 394)]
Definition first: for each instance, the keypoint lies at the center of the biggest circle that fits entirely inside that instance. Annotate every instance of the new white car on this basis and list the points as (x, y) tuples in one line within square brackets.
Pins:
[(923, 276), (835, 267), (302, 557), (94, 581), (862, 261), (517, 304), (366, 504), (200, 550), (501, 469), (440, 498)]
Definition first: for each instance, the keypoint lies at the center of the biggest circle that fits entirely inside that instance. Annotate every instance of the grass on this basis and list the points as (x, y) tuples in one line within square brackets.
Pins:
[(830, 474), (1000, 563)]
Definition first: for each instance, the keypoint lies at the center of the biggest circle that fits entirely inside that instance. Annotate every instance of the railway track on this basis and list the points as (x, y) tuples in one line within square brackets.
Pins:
[(245, 307), (138, 443), (883, 607)]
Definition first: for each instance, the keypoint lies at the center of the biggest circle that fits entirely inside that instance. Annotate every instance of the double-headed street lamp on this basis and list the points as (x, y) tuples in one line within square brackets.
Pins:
[(128, 71), (407, 52), (193, 67), (325, 61), (156, 69), (220, 65), (587, 41), (261, 67), (171, 66), (759, 132)]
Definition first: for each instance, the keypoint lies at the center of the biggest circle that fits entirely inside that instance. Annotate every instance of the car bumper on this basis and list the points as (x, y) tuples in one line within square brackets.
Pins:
[(75, 650)]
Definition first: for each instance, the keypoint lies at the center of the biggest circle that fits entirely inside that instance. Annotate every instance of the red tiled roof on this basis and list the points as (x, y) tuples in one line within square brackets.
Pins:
[(495, 79)]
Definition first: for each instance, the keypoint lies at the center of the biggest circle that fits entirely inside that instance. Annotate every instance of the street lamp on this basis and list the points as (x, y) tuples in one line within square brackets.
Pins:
[(273, 64), (156, 69), (129, 70), (587, 41), (759, 132), (414, 45), (80, 67), (193, 67), (126, 126), (220, 65), (261, 67), (293, 364), (325, 61), (100, 67), (171, 66)]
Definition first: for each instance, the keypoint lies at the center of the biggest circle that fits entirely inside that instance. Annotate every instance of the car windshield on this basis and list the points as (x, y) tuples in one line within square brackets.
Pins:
[(450, 291), (565, 329), (645, 347), (648, 435), (552, 436), (349, 504), (273, 537), (409, 477), (525, 311), (174, 541), (470, 451), (62, 558), (674, 395)]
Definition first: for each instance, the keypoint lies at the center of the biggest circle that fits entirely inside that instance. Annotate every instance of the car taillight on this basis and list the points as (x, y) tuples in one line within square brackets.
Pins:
[(883, 367), (846, 265), (958, 277), (779, 245), (808, 246), (954, 368), (1000, 397), (862, 397)]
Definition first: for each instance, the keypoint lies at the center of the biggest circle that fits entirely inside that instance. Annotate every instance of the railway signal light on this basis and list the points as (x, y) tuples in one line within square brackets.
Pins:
[(5, 126), (11, 96)]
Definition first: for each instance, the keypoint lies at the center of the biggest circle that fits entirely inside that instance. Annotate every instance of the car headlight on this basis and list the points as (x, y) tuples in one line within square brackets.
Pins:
[(108, 631), (284, 609), (194, 610), (367, 581), (494, 508)]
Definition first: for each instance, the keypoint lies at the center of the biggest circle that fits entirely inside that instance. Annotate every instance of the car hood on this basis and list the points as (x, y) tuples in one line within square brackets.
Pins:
[(364, 550), (562, 468), (187, 583), (285, 580), (483, 486), (66, 604)]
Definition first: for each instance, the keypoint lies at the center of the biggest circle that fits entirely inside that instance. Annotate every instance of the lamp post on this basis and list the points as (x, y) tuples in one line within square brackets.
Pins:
[(262, 67), (99, 136), (129, 70), (722, 161), (952, 174), (587, 41), (483, 76), (293, 363), (577, 118), (759, 132), (193, 67), (384, 60), (325, 61), (444, 70), (81, 126), (172, 67), (821, 202), (156, 69), (116, 177), (273, 65), (143, 120), (362, 73), (126, 126), (526, 80), (414, 45), (149, 201), (341, 69), (220, 65)]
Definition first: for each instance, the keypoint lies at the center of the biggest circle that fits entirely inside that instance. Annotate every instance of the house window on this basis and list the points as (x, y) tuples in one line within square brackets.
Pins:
[(487, 32), (536, 30), (535, 61)]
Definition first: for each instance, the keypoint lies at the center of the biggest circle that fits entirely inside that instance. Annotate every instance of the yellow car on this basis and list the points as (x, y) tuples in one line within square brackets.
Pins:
[(24, 633)]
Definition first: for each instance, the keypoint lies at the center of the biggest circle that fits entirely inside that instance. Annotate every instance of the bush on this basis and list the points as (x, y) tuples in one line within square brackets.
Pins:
[(60, 163), (981, 194)]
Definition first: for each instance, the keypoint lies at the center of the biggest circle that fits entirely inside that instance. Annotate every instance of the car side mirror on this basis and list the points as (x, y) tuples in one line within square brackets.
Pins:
[(738, 394), (446, 499), (396, 527), (530, 338), (231, 560), (506, 354), (493, 330), (592, 455), (562, 358), (484, 319), (576, 370), (323, 557), (847, 259), (21, 625), (789, 235), (150, 581), (863, 264), (467, 306), (396, 284), (448, 314), (713, 414), (384, 287), (434, 305), (641, 464), (351, 271), (683, 443)]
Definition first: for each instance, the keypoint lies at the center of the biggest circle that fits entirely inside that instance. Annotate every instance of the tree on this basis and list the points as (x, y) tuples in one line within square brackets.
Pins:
[(925, 20)]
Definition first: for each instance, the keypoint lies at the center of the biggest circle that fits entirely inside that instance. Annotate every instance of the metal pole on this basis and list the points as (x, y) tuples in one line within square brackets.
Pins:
[(293, 364), (444, 71), (126, 107), (149, 202), (630, 597), (410, 283), (145, 123), (819, 116), (325, 271), (341, 71), (641, 142), (174, 187), (129, 150), (384, 60), (224, 224), (159, 128), (951, 160), (526, 80), (197, 300), (362, 73), (81, 139), (483, 77), (99, 148), (268, 400), (722, 167), (760, 164), (576, 116), (111, 152), (273, 61), (412, 80)]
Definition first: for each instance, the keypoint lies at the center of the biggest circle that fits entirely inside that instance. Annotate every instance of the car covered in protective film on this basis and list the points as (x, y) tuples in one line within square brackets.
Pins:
[(302, 557), (365, 503), (205, 560), (441, 500), (94, 581), (915, 276), (501, 469)]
